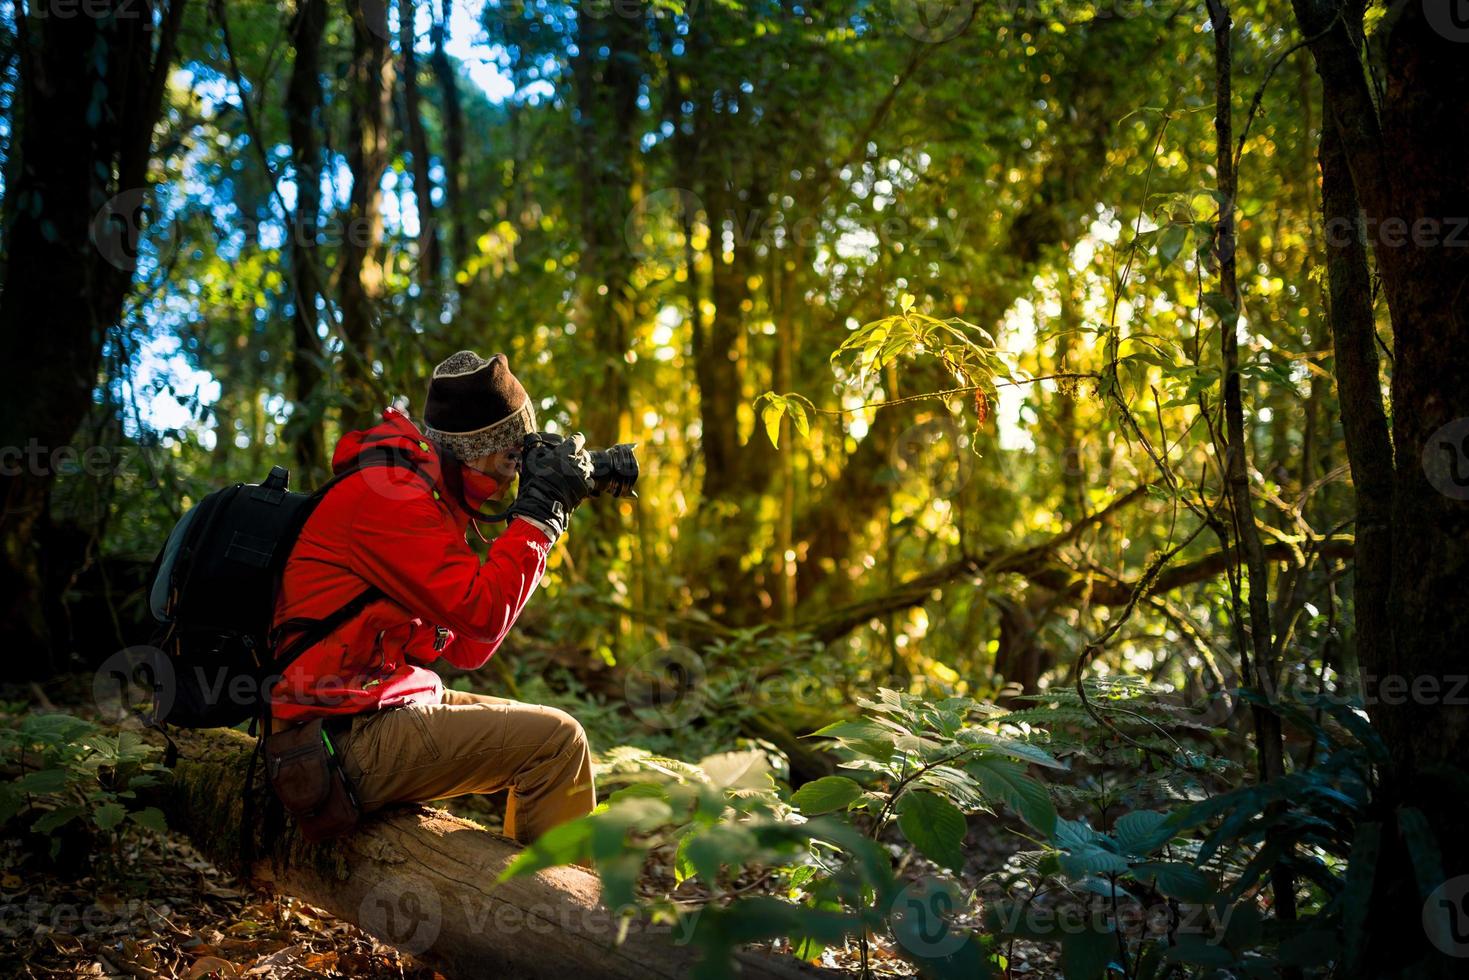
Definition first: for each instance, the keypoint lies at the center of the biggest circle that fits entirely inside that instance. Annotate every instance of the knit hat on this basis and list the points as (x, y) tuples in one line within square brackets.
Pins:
[(476, 407)]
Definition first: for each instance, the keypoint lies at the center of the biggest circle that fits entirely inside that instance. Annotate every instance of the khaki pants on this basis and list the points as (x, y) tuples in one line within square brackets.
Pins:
[(473, 743)]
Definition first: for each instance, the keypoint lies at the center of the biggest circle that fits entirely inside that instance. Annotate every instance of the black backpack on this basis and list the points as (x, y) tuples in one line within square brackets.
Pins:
[(213, 592)]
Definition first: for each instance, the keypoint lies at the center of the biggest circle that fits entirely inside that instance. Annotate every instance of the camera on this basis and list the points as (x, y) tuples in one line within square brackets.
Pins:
[(614, 469)]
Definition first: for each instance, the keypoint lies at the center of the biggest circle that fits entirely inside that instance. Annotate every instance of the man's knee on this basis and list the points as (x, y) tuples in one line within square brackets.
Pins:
[(568, 735)]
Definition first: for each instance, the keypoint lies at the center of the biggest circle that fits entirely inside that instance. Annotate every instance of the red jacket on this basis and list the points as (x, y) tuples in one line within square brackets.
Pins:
[(391, 528)]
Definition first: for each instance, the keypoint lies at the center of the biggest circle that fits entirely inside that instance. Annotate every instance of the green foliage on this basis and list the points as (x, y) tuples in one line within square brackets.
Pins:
[(772, 407), (1157, 746), (74, 782), (1046, 220), (1184, 888), (966, 351), (921, 765)]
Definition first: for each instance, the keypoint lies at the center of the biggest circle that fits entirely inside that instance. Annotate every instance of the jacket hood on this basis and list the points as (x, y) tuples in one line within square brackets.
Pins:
[(396, 431)]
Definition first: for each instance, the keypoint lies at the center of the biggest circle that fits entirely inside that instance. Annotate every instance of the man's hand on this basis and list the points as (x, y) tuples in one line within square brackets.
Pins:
[(555, 477)]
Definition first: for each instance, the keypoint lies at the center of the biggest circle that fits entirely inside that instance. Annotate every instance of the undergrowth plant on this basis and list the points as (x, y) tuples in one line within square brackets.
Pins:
[(1181, 889), (916, 765), (1158, 869), (73, 783)]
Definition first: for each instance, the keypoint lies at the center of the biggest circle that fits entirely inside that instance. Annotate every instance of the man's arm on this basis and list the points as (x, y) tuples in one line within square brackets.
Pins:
[(412, 551)]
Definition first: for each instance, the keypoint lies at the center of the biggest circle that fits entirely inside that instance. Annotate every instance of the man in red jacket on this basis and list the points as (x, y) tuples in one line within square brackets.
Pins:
[(392, 538)]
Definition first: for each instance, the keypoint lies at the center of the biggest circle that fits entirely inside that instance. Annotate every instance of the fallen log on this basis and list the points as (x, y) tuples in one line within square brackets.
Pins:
[(424, 881)]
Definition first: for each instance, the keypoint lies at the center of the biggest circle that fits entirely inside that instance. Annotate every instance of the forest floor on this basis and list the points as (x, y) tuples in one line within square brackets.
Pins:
[(158, 909)]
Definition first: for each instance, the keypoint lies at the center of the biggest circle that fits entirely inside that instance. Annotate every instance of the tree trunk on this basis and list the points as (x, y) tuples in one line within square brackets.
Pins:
[(425, 882), (428, 229), (71, 253), (370, 87), (453, 158), (606, 94), (607, 73), (1359, 392), (1407, 147), (305, 118)]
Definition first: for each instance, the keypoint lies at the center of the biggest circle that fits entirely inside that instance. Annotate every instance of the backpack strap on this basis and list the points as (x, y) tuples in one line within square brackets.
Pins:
[(313, 631), (316, 630)]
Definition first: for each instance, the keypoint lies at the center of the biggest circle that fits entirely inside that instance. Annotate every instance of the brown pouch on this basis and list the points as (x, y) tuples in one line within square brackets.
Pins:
[(308, 780)]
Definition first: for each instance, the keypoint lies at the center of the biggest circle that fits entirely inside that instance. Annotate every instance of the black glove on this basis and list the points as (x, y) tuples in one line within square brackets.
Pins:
[(555, 476)]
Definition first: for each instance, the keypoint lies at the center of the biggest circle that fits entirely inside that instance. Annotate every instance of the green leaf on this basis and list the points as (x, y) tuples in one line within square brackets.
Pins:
[(11, 802), (962, 788), (1221, 308), (1176, 880), (799, 419), (1244, 926), (55, 819), (866, 737), (619, 874), (1091, 859), (151, 818), (853, 731), (1141, 832), (1171, 243), (934, 826), (745, 769), (806, 948), (563, 844), (43, 782), (770, 414), (1357, 890), (716, 846), (825, 795), (1022, 919), (1423, 850), (1014, 748), (652, 791), (801, 875), (683, 867), (1085, 955), (108, 815), (1200, 951), (1006, 780), (1073, 833)]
